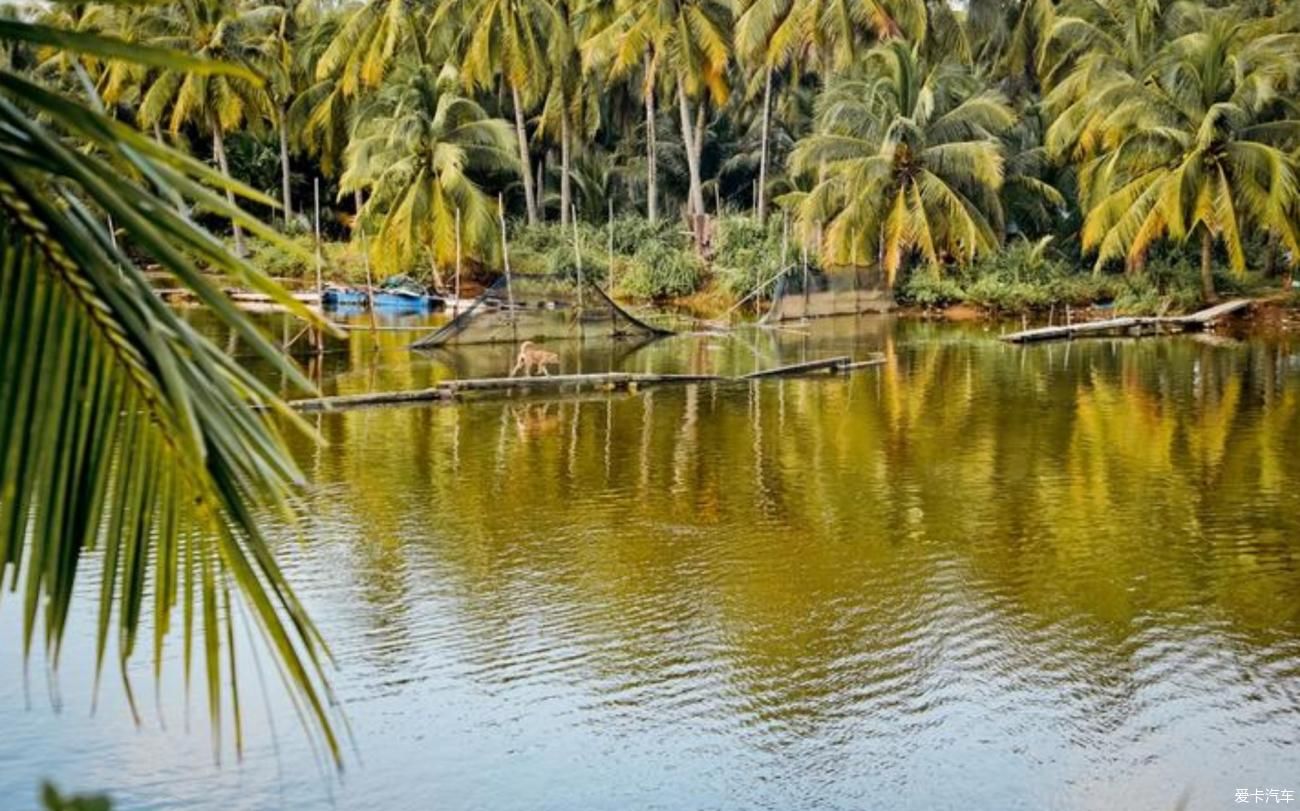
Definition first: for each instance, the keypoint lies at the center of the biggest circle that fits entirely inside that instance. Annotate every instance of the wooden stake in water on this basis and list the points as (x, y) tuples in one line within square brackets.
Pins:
[(577, 253), (577, 258), (455, 307), (370, 282), (785, 237), (610, 282), (316, 194), (806, 290), (318, 338), (505, 260)]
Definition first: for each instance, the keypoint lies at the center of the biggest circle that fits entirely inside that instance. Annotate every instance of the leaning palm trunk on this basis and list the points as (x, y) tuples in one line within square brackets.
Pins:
[(564, 168), (525, 164), (219, 150), (651, 149), (762, 154), (287, 199)]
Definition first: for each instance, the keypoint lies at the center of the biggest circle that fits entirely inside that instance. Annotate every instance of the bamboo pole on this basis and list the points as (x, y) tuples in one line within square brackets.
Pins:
[(577, 254), (806, 291), (318, 338), (505, 259), (370, 282), (577, 257), (455, 307)]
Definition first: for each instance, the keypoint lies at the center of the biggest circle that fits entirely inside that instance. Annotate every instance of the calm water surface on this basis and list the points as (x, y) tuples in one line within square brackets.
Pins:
[(977, 577)]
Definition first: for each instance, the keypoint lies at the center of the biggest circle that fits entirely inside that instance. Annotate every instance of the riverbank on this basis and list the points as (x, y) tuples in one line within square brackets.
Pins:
[(657, 263)]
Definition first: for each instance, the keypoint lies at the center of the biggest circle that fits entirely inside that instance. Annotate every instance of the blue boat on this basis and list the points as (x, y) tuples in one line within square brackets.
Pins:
[(398, 293), (342, 297)]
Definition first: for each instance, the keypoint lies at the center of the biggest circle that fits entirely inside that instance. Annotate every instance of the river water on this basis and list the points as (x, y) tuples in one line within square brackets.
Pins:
[(978, 576)]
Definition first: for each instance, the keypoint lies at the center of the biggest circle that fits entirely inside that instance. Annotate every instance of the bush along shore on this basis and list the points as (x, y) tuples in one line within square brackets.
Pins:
[(659, 264)]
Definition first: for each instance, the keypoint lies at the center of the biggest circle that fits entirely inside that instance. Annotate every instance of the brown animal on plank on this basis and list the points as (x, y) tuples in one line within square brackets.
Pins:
[(532, 357)]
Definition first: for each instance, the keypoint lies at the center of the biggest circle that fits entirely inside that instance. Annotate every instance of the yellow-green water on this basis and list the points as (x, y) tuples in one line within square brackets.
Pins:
[(978, 576)]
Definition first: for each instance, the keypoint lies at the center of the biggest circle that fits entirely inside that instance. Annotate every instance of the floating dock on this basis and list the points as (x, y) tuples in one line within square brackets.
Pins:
[(1132, 325)]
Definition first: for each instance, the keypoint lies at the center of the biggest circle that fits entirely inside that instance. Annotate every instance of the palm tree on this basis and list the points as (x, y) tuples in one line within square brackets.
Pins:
[(770, 34), (285, 75), (1095, 54), (1197, 153), (572, 102), (912, 163), (416, 153), (220, 31), (689, 41), (124, 431), (321, 113), (514, 40)]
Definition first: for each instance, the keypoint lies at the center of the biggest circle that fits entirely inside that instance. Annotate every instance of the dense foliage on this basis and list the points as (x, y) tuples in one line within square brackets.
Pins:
[(893, 133)]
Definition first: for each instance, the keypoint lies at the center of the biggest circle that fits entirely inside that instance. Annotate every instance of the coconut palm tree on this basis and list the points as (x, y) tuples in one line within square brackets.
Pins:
[(1198, 153), (770, 34), (285, 77), (572, 102), (1094, 54), (416, 153), (124, 431), (216, 104), (689, 43), (912, 163), (514, 41)]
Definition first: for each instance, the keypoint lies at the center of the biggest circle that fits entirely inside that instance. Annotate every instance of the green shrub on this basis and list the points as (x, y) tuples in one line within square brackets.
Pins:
[(1023, 277), (283, 263), (660, 271), (745, 253), (926, 289), (631, 233)]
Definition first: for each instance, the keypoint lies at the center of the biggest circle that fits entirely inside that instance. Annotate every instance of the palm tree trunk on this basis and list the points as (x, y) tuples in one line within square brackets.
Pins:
[(688, 142), (698, 134), (284, 169), (1207, 267), (564, 168), (651, 148), (219, 150), (525, 165), (762, 154)]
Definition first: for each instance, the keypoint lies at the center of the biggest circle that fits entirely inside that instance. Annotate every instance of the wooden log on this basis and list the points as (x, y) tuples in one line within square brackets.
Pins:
[(1211, 314), (860, 364), (373, 398), (1196, 320), (1085, 328), (801, 368)]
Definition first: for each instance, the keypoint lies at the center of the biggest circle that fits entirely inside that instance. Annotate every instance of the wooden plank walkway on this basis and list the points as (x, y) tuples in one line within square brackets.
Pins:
[(1131, 324), (453, 388), (609, 381), (827, 364)]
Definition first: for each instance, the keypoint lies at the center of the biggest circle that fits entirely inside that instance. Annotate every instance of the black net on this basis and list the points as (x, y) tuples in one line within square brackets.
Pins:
[(536, 308), (813, 293)]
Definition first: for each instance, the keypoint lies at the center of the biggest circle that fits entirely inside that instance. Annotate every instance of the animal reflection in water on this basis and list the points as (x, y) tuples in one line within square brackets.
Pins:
[(536, 420), (533, 358)]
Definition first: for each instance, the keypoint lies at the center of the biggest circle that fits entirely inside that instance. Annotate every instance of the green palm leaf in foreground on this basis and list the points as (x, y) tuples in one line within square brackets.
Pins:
[(123, 433)]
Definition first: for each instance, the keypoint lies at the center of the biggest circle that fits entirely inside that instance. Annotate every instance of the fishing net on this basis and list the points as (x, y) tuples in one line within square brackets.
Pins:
[(813, 293), (536, 308)]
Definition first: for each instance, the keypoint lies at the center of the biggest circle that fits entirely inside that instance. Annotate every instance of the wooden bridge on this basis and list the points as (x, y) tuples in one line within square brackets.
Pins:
[(1132, 325)]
